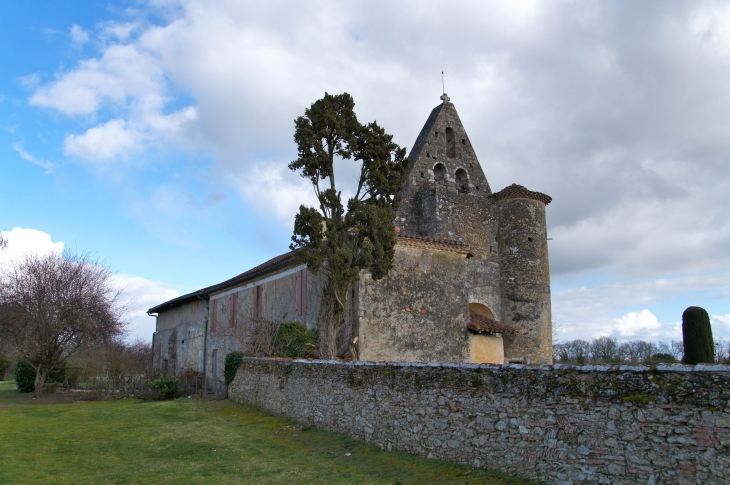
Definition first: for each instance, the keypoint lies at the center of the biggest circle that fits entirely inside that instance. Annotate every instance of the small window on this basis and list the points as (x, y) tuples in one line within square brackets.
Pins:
[(462, 180), (165, 367), (439, 172), (423, 175), (450, 143), (463, 141)]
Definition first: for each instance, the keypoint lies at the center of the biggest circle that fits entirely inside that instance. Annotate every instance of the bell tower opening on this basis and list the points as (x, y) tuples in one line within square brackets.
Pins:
[(439, 172), (450, 143)]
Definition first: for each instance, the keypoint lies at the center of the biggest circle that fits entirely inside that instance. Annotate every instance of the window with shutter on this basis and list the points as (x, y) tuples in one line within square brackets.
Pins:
[(213, 316), (259, 302)]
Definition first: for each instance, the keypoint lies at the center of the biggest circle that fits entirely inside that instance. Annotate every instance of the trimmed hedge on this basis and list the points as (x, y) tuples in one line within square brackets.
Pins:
[(697, 336)]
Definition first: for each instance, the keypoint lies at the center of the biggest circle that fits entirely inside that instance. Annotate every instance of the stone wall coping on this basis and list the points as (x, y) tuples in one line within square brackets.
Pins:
[(537, 367)]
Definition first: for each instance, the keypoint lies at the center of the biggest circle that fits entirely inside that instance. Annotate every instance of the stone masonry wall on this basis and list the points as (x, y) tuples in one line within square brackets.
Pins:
[(558, 424)]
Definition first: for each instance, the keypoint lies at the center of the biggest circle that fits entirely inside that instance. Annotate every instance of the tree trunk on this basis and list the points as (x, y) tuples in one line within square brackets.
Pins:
[(331, 320), (40, 379)]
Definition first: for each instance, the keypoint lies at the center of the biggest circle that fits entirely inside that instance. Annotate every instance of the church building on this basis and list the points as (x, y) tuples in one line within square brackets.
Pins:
[(471, 280)]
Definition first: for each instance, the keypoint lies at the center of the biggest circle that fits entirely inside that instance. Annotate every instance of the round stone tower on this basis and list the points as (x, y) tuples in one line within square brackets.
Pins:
[(525, 274)]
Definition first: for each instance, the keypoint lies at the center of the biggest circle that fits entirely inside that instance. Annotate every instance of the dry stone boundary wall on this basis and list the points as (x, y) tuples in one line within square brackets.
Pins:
[(557, 424)]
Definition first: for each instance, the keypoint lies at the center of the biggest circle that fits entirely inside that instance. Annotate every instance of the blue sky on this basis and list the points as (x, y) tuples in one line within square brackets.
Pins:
[(157, 133)]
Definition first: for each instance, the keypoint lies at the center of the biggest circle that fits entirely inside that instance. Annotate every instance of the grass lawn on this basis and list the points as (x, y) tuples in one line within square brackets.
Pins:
[(57, 440)]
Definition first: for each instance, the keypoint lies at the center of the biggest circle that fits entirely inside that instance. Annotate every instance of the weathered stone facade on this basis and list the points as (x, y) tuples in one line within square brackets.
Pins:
[(447, 197), (558, 424), (462, 250)]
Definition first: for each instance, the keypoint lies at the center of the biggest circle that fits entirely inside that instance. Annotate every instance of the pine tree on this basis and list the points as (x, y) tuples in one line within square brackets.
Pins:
[(341, 242)]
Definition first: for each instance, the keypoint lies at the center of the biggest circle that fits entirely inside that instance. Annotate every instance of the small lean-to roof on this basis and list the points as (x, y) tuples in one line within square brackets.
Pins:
[(515, 191), (419, 242), (482, 324), (204, 293)]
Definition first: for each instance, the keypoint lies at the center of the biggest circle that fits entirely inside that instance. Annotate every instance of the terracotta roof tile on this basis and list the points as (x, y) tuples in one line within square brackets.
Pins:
[(515, 191), (482, 324)]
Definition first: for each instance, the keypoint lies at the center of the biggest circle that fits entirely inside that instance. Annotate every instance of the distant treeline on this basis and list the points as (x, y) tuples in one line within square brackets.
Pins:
[(607, 350)]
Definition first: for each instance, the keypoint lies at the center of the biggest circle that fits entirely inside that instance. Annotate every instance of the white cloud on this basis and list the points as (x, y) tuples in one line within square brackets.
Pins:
[(121, 73), (30, 80), (585, 312), (49, 166), (78, 35), (103, 142), (641, 324), (275, 191), (142, 294), (24, 241)]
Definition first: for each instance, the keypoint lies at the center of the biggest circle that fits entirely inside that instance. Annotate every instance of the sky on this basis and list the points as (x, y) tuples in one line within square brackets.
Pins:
[(156, 134)]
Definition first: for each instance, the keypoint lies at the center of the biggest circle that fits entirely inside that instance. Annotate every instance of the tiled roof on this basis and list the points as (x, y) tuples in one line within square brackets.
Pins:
[(268, 264), (481, 324), (515, 191), (419, 242), (204, 292)]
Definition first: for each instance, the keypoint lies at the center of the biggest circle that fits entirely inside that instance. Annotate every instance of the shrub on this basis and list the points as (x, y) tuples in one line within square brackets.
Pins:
[(233, 362), (25, 375), (665, 358), (294, 340), (697, 336), (167, 386)]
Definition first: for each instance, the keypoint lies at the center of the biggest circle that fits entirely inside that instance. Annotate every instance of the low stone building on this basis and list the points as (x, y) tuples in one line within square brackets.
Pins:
[(471, 280)]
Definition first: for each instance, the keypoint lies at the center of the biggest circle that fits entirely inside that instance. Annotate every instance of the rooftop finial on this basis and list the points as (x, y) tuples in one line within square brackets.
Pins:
[(444, 96)]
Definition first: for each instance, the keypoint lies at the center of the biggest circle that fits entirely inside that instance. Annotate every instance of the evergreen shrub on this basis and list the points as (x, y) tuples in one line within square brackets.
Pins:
[(167, 386), (294, 340), (697, 336), (25, 375)]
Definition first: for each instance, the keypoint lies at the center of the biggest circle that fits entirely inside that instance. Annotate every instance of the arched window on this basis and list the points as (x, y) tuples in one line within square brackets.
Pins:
[(439, 172), (450, 143), (462, 180), (481, 310)]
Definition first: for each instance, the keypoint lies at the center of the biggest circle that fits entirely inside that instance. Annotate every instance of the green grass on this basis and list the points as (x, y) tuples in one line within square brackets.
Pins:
[(189, 441)]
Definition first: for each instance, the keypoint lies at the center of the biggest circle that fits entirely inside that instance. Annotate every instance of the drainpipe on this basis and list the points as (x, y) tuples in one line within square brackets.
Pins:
[(154, 334)]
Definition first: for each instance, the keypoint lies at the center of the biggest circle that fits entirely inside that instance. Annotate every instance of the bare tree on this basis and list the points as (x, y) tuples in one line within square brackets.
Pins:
[(52, 305)]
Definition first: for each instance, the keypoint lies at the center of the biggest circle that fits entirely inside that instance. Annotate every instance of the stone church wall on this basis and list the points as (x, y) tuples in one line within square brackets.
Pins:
[(557, 424), (419, 312)]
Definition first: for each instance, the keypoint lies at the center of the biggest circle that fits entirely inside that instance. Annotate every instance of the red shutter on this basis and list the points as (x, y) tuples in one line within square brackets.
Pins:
[(259, 301), (234, 309), (213, 315)]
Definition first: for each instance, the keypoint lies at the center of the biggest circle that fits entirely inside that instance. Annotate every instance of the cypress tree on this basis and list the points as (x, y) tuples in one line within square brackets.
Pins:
[(697, 336)]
